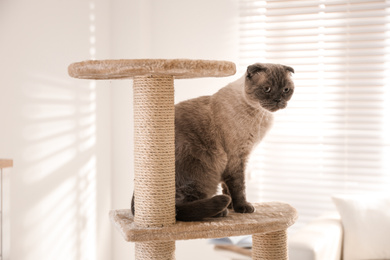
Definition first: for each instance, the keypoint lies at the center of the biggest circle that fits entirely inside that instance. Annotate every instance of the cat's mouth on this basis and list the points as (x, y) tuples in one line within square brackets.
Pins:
[(281, 105), (275, 106)]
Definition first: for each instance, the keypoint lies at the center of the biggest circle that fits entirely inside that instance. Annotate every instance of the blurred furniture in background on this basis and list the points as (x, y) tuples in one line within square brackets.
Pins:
[(360, 230), (4, 240), (319, 240)]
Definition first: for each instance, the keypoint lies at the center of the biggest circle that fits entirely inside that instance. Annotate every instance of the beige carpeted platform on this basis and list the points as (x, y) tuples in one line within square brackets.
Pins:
[(125, 69), (268, 217)]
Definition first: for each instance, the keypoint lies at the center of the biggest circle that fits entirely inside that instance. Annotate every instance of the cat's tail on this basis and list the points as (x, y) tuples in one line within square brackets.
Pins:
[(199, 209), (204, 208)]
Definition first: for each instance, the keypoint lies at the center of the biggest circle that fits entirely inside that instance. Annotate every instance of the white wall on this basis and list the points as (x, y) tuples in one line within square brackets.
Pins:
[(196, 30), (54, 128)]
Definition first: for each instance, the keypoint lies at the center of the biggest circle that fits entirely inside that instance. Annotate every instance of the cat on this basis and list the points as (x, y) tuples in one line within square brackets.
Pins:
[(214, 136)]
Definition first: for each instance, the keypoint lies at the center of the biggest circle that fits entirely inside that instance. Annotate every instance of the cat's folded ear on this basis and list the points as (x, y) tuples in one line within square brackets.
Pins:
[(254, 69), (289, 68)]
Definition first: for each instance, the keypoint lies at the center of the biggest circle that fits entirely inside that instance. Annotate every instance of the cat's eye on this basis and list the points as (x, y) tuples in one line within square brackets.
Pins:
[(285, 90), (267, 90)]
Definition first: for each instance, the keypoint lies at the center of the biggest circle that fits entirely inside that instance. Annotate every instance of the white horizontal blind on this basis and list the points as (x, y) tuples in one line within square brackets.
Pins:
[(334, 136)]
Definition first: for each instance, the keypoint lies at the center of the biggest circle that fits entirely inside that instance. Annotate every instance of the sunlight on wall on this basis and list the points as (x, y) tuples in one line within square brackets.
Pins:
[(61, 137), (87, 210), (61, 222), (54, 220), (51, 133)]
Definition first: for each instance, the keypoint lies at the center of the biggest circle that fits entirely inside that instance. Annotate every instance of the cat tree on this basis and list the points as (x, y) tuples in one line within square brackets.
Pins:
[(154, 228)]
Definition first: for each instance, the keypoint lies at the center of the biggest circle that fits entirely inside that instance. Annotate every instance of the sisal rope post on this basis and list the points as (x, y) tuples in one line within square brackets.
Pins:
[(270, 246), (155, 250), (154, 161)]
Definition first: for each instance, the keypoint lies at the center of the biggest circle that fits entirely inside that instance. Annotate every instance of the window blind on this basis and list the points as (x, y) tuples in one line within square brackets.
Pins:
[(334, 136)]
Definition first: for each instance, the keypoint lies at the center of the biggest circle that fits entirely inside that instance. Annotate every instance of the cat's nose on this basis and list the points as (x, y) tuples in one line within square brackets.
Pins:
[(277, 100)]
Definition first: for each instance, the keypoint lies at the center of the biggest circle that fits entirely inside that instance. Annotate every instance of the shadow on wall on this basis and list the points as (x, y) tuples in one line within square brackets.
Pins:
[(60, 165), (59, 137), (54, 130)]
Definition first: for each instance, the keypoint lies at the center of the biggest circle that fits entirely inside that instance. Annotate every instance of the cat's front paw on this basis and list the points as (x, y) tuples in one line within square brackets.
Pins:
[(244, 208)]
